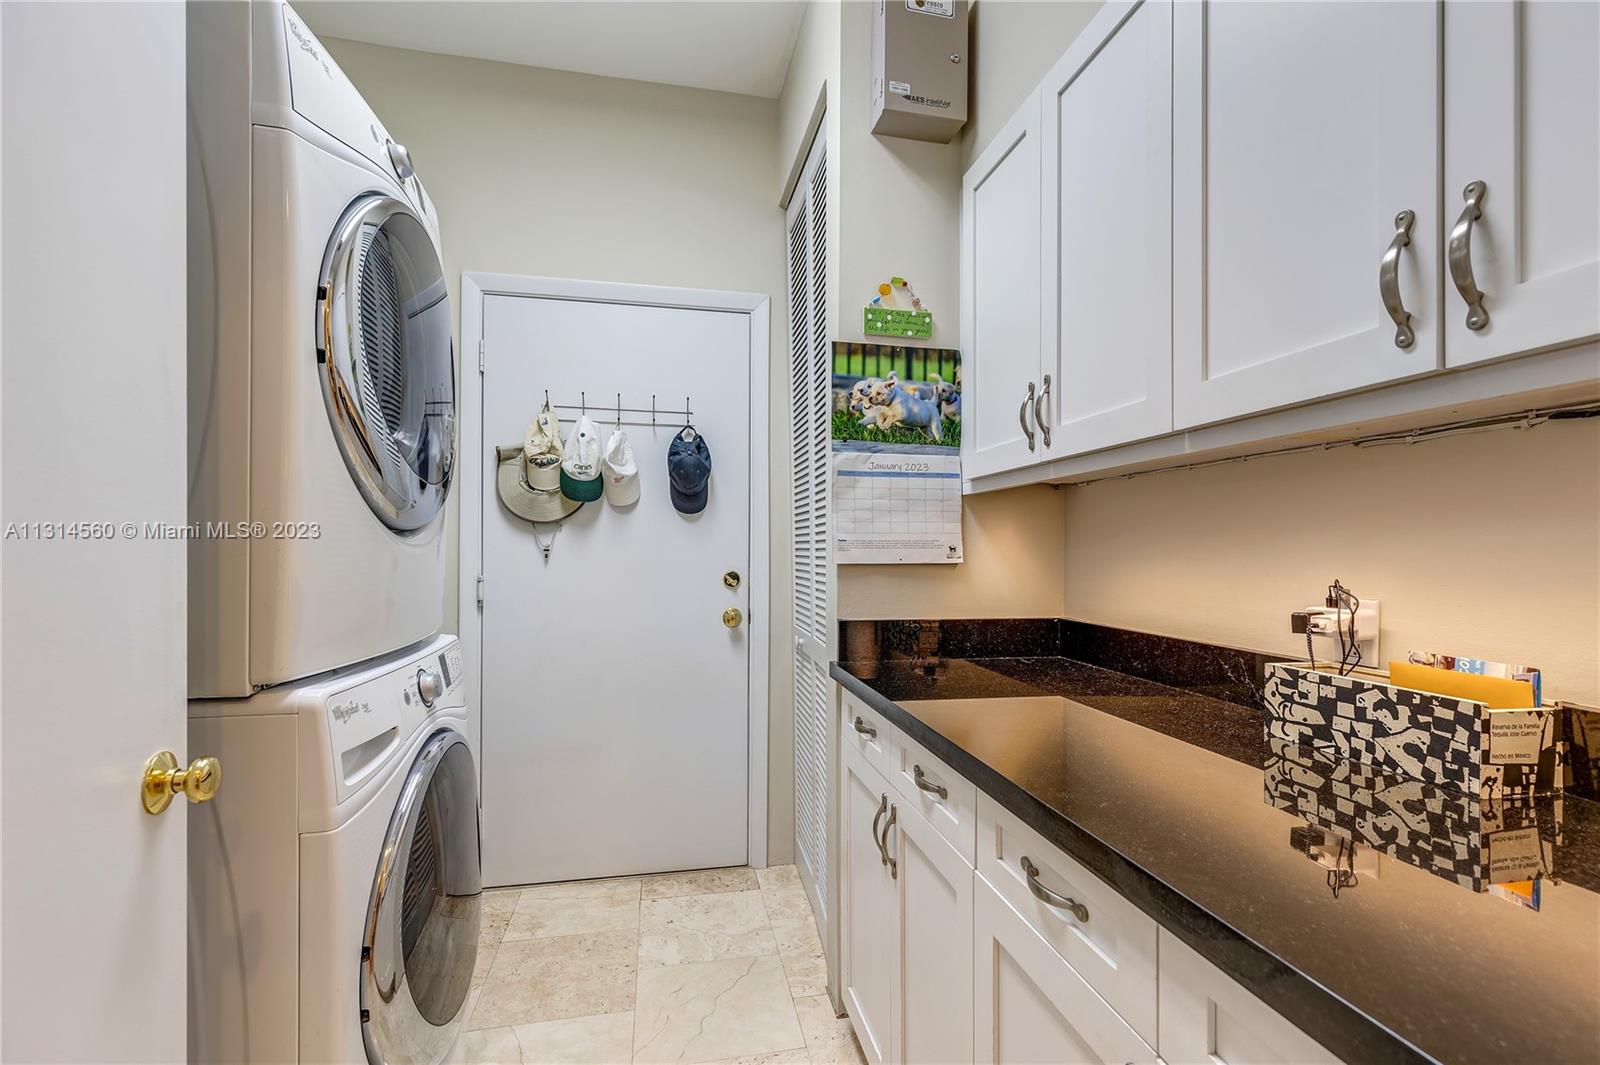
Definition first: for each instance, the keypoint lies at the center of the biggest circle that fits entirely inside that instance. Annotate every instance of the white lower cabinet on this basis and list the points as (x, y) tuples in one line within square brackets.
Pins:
[(1208, 1019), (868, 908), (1030, 1006), (906, 959), (934, 1023), (940, 962)]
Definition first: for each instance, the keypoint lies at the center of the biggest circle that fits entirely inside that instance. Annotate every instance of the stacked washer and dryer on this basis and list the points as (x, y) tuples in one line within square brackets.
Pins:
[(335, 880)]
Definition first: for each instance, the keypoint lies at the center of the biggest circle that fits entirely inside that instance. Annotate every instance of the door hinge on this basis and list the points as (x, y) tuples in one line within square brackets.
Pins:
[(480, 591), (480, 355)]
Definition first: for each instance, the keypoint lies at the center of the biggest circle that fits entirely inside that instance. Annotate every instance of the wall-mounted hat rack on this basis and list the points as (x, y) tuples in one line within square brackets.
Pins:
[(612, 414)]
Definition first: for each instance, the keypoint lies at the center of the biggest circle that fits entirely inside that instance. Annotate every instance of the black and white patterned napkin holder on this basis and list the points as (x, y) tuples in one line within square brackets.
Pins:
[(1437, 739)]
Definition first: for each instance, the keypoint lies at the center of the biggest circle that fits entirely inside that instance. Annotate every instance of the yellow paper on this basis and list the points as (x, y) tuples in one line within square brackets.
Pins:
[(1497, 693)]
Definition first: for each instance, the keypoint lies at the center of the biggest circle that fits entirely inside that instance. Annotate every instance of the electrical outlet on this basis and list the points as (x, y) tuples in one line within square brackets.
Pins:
[(1324, 624)]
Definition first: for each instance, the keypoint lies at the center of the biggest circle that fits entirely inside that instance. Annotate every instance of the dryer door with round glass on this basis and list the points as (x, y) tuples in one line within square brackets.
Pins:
[(385, 358), (421, 939)]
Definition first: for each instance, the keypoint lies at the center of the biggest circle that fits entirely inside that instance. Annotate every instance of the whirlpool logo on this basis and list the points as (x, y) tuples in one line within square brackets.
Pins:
[(343, 712)]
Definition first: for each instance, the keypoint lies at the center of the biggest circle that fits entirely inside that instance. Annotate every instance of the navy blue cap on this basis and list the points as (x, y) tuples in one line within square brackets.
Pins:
[(689, 471)]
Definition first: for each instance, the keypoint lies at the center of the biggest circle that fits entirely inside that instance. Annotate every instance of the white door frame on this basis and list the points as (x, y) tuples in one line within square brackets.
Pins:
[(475, 286)]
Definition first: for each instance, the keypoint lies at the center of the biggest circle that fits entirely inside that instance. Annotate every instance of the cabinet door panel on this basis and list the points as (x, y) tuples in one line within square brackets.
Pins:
[(1522, 116), (1301, 131), (1107, 142), (1000, 298), (1030, 1006), (868, 910), (935, 1020)]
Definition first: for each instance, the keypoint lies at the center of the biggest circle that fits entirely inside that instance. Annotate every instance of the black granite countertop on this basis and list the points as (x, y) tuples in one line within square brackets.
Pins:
[(1384, 952)]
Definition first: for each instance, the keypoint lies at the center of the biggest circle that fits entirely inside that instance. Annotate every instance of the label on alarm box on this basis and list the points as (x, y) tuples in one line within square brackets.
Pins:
[(942, 8)]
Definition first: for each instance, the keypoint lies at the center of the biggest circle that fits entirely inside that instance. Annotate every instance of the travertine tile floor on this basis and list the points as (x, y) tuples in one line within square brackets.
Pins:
[(720, 965)]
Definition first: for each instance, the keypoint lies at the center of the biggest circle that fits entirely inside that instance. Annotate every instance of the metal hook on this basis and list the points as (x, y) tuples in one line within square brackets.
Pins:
[(547, 397), (652, 410), (685, 410), (619, 410), (583, 404)]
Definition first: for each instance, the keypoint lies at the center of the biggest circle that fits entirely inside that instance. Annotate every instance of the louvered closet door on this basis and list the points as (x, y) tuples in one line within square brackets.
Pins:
[(809, 383)]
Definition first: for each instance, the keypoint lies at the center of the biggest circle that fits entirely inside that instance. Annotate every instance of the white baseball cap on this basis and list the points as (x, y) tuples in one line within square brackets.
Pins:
[(541, 452), (619, 471), (580, 466)]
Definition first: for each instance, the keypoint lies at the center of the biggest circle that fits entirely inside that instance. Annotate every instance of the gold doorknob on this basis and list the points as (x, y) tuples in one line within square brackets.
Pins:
[(163, 779), (731, 617)]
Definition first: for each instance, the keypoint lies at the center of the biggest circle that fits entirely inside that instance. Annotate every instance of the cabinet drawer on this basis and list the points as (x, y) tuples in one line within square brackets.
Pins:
[(1206, 1017), (865, 730), (1030, 1006), (1114, 950), (946, 798)]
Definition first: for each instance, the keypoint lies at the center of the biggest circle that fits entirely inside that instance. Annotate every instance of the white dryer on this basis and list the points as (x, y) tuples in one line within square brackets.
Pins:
[(321, 369), (335, 880)]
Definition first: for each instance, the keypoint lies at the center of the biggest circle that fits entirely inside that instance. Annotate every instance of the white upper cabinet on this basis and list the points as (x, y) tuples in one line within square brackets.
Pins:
[(1521, 177), (1000, 299), (1107, 213), (1306, 153)]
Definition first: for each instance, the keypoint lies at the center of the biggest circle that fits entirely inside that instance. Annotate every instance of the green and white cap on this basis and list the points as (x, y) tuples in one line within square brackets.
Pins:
[(580, 466)]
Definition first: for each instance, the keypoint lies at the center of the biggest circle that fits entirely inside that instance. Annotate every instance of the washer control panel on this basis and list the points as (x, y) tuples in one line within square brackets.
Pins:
[(376, 710)]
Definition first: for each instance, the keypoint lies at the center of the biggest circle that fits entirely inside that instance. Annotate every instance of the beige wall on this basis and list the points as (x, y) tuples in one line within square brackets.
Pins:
[(1014, 44), (1486, 545), (569, 175)]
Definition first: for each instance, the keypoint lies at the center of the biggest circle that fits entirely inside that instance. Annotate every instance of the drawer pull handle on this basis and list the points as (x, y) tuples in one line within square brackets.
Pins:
[(883, 808), (1460, 255), (1072, 906), (927, 785), (894, 866), (1389, 280), (1022, 416), (865, 729)]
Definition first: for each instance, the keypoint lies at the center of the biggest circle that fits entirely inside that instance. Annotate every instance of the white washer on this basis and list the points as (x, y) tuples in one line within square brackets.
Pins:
[(321, 368), (335, 880)]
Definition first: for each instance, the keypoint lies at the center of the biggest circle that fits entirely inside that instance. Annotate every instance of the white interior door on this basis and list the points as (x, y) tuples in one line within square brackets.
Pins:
[(93, 611), (1522, 145), (811, 475), (615, 702), (1301, 132)]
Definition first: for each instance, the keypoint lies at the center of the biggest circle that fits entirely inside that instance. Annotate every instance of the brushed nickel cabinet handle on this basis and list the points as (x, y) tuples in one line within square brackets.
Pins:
[(1389, 280), (1022, 416), (865, 729), (894, 866), (1062, 902), (927, 785), (1460, 255), (883, 808), (1038, 412)]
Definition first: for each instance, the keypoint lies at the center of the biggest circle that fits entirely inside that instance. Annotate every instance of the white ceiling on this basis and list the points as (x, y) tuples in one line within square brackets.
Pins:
[(741, 46)]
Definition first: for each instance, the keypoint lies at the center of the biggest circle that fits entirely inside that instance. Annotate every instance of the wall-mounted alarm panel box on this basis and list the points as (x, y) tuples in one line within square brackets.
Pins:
[(919, 68)]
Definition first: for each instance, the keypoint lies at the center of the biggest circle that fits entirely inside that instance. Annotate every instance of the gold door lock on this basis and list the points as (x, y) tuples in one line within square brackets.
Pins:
[(731, 617), (730, 579), (163, 779)]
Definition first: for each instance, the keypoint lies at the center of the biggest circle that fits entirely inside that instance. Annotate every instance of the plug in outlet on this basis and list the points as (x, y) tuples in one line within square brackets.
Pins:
[(1324, 624)]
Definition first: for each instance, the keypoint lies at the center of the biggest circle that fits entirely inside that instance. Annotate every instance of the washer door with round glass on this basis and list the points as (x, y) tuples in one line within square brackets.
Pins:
[(386, 361), (421, 939)]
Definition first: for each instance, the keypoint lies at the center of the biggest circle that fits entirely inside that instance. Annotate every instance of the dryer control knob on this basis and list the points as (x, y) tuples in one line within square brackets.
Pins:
[(429, 685), (400, 159)]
